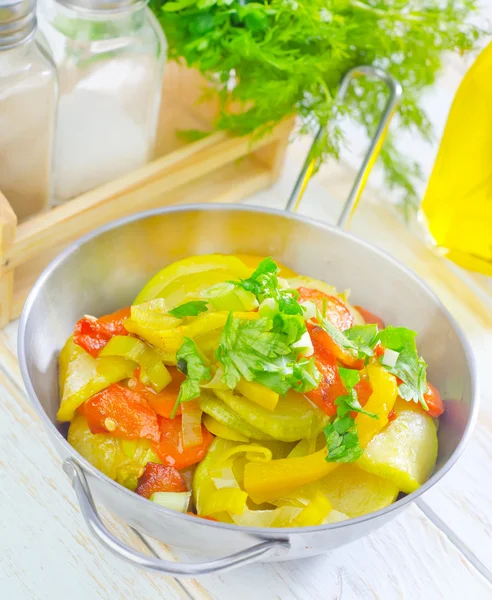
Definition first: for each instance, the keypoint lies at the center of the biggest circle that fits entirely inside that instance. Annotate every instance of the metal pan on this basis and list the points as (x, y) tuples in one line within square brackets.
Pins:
[(104, 270)]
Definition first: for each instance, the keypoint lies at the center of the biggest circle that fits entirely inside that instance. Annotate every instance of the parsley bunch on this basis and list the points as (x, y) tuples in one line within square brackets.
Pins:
[(288, 56)]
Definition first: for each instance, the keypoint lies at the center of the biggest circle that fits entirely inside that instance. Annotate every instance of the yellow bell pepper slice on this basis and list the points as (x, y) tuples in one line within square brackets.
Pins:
[(230, 500), (405, 452), (223, 414), (141, 353), (381, 401), (222, 431), (68, 353), (294, 417), (190, 266), (354, 492), (258, 393), (121, 460), (154, 314), (82, 376), (268, 481), (314, 513)]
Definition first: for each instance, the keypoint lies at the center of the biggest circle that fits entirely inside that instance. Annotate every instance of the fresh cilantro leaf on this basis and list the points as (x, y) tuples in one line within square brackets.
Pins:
[(263, 283), (253, 349), (364, 336), (246, 347), (342, 441), (189, 309), (305, 375), (191, 363), (350, 377), (358, 340), (291, 326), (409, 367), (350, 402)]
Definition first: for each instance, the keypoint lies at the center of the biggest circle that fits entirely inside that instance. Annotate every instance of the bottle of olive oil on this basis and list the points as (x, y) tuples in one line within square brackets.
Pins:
[(457, 205)]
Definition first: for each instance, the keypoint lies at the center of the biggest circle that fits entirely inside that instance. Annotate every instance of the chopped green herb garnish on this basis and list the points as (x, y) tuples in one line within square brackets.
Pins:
[(189, 309), (257, 351), (358, 341), (365, 337), (263, 283), (409, 367), (191, 363), (342, 440)]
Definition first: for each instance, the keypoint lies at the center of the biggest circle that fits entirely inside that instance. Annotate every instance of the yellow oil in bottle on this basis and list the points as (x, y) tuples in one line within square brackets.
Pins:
[(457, 206)]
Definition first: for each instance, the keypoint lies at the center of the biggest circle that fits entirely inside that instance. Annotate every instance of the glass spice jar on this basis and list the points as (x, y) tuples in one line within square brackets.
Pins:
[(110, 57), (28, 91)]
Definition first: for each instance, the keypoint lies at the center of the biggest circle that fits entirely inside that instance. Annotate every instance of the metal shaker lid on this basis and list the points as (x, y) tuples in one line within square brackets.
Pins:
[(17, 22)]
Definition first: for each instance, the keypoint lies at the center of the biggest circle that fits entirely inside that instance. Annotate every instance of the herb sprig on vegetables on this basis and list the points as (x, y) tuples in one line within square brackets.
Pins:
[(288, 56), (189, 309), (342, 440), (191, 363)]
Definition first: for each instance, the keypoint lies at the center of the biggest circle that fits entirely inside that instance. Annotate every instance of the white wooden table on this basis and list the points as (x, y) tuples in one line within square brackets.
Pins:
[(439, 549)]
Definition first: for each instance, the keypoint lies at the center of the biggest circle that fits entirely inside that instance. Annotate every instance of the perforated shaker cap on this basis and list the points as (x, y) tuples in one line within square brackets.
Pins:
[(17, 22)]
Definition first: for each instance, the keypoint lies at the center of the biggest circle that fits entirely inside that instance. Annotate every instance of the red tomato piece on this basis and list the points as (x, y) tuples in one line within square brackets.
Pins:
[(121, 412), (392, 415), (370, 318), (162, 403), (160, 478), (434, 401), (336, 311), (93, 334), (170, 448), (330, 386)]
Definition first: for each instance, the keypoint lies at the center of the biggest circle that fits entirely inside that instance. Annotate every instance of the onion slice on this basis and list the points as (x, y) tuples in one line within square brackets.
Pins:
[(191, 424), (178, 501)]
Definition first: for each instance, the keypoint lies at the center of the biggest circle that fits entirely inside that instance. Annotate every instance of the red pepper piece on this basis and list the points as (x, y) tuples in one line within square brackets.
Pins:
[(159, 478), (170, 447), (121, 412), (336, 311), (93, 334), (162, 403)]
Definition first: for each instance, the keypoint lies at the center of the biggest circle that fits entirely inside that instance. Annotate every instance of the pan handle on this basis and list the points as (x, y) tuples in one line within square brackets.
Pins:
[(371, 155), (137, 559)]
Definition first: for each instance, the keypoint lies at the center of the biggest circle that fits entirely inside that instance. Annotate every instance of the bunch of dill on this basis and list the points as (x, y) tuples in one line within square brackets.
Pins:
[(288, 56)]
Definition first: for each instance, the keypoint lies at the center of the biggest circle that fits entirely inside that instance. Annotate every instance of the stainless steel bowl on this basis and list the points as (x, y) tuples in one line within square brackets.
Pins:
[(104, 271)]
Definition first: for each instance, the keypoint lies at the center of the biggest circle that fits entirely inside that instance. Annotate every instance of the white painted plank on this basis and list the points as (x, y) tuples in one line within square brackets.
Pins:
[(45, 551), (408, 558)]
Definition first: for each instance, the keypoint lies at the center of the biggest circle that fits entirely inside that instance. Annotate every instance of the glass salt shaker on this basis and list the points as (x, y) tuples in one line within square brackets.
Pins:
[(110, 56), (28, 93)]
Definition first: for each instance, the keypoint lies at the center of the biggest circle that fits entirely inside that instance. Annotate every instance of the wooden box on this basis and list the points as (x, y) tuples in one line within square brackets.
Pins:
[(217, 168)]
